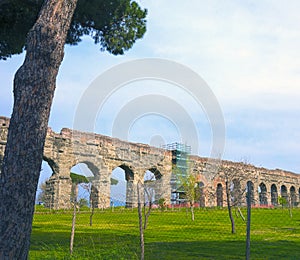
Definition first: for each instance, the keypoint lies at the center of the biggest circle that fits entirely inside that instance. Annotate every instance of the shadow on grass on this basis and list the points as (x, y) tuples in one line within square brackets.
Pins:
[(222, 250), (47, 245)]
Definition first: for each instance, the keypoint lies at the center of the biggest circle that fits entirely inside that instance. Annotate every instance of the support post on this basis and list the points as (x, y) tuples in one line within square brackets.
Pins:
[(249, 191)]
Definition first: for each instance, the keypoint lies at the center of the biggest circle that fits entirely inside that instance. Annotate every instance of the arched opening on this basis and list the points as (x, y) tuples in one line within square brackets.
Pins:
[(250, 183), (156, 173), (293, 196), (44, 197), (153, 188), (149, 187), (274, 195), (81, 176), (262, 190), (118, 186), (284, 195), (201, 194), (122, 190), (235, 192), (219, 195)]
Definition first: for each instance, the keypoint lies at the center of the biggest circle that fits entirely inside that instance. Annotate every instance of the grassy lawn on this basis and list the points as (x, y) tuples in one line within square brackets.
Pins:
[(170, 235)]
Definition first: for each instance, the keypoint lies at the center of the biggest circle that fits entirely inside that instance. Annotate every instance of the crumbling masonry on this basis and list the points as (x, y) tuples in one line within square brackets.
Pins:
[(103, 154)]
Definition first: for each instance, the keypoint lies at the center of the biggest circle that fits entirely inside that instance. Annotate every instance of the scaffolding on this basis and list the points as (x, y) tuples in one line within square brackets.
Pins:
[(180, 154)]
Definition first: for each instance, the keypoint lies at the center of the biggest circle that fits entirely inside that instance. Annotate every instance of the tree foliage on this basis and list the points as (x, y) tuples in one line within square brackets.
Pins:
[(114, 25), (113, 181), (83, 203), (188, 181), (76, 178), (46, 26), (282, 201)]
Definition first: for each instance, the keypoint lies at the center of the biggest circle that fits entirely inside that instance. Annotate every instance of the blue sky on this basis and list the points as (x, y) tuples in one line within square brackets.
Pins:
[(247, 52)]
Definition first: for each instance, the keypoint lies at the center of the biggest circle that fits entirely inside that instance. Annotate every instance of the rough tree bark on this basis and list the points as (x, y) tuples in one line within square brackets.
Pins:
[(74, 199), (34, 87)]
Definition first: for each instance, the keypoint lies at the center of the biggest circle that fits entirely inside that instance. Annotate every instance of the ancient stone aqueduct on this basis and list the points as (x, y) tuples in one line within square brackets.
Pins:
[(103, 154)]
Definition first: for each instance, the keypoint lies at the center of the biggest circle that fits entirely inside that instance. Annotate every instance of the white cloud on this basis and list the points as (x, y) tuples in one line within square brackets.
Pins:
[(235, 41), (247, 52)]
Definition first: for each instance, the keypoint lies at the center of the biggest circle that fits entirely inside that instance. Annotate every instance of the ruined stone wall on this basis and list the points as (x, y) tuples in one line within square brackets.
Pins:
[(102, 154), (214, 174)]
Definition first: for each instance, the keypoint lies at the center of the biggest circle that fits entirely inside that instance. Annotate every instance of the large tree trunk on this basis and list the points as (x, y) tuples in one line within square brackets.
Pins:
[(34, 86), (74, 199)]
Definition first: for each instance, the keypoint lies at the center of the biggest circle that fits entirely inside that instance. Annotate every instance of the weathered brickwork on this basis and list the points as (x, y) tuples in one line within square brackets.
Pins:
[(103, 154), (267, 185)]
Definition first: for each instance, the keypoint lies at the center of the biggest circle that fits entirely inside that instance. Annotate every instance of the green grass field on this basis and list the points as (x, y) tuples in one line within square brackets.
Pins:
[(170, 235)]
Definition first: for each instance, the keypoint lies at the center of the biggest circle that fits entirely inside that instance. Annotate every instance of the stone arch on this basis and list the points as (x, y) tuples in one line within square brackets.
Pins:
[(293, 196), (84, 190), (53, 165), (284, 193), (94, 193), (90, 165), (219, 195), (85, 168), (151, 180), (58, 187), (263, 199), (156, 172), (149, 187), (131, 189), (129, 175), (43, 194), (156, 187), (118, 186)]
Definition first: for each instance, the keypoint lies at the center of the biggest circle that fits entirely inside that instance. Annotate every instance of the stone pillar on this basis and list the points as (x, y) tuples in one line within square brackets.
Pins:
[(224, 194), (268, 195), (101, 190), (50, 192), (58, 192), (64, 192), (131, 194), (255, 194), (210, 198), (163, 189), (203, 198)]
